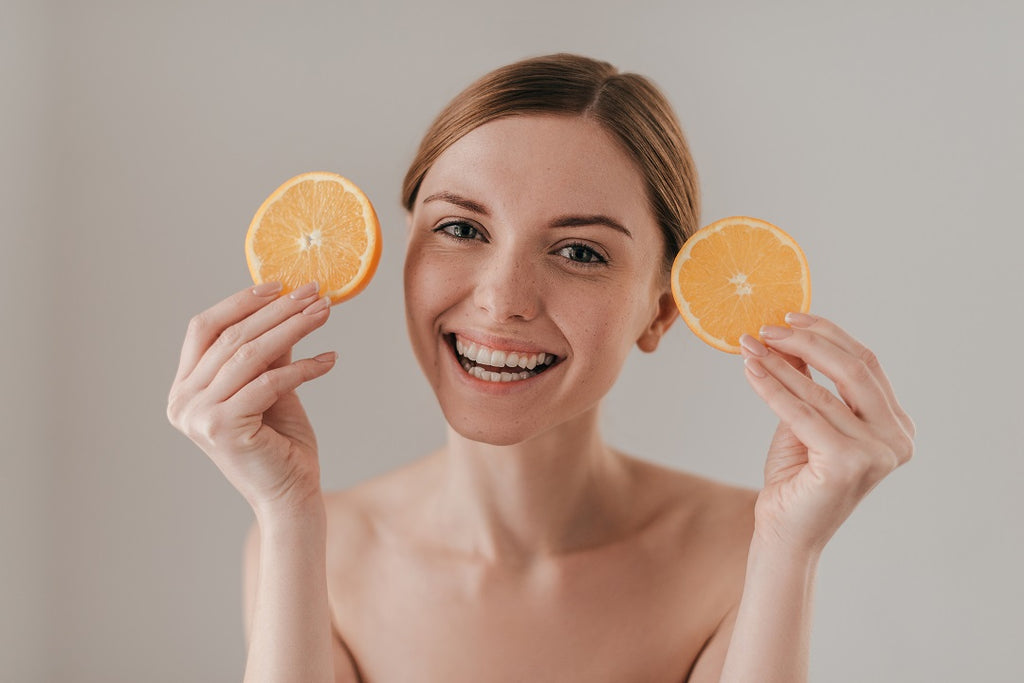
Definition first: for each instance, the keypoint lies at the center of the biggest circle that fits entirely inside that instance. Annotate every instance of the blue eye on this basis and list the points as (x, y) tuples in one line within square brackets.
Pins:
[(460, 230), (581, 253)]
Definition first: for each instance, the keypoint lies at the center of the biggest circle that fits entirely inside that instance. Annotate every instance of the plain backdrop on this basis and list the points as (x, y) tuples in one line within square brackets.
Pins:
[(138, 138)]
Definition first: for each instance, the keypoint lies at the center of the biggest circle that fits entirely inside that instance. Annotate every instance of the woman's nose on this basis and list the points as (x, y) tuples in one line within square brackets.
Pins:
[(507, 288)]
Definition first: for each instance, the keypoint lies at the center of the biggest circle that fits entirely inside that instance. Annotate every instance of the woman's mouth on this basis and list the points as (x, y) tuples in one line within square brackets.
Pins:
[(499, 365)]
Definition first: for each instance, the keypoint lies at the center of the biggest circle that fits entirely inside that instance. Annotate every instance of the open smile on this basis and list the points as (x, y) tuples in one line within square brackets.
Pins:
[(499, 365)]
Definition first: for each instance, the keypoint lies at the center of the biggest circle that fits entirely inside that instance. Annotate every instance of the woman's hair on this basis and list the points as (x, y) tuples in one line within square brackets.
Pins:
[(628, 106)]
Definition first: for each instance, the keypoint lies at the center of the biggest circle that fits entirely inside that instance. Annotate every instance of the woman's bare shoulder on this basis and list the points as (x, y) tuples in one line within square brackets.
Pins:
[(362, 513), (697, 509)]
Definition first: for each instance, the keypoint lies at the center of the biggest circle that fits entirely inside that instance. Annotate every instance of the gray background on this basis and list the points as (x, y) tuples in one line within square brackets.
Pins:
[(137, 139)]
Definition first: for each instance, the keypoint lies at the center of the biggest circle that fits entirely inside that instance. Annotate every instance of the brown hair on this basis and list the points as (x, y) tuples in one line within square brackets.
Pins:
[(628, 105)]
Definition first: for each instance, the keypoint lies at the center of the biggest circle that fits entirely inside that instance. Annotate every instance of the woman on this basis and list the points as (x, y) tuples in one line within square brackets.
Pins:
[(544, 207)]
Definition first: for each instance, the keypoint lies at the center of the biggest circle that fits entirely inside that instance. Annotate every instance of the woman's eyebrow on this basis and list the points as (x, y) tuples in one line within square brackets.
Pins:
[(458, 200), (570, 221), (591, 219)]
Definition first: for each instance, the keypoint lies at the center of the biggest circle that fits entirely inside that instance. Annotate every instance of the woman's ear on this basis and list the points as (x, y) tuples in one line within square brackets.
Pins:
[(663, 319)]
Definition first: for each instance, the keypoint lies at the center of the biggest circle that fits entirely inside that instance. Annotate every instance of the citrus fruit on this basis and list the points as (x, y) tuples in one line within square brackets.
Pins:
[(316, 226), (737, 274)]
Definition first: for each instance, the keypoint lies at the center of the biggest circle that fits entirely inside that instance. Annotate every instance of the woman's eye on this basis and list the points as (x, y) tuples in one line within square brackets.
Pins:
[(459, 230), (581, 253)]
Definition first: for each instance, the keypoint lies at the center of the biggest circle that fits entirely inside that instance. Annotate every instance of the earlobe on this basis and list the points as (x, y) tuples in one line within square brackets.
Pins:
[(666, 315)]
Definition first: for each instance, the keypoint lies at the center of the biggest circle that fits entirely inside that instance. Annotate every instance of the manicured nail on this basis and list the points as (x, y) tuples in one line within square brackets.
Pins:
[(753, 346), (305, 291), (755, 367), (775, 332), (267, 288), (321, 304), (801, 319), (328, 357)]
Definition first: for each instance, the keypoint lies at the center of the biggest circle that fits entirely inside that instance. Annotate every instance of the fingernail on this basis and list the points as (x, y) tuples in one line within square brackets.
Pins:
[(755, 347), (305, 291), (775, 332), (321, 304), (755, 367), (328, 357), (801, 319), (267, 288)]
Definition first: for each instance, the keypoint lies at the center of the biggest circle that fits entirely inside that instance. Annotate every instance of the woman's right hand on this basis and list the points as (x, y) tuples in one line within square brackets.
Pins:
[(234, 393)]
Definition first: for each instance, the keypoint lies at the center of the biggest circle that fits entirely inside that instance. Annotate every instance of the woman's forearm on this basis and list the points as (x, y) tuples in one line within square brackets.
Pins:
[(771, 638), (290, 629)]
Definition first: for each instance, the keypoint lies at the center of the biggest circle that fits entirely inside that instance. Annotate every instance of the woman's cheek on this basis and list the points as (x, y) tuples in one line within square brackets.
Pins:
[(601, 324), (428, 275)]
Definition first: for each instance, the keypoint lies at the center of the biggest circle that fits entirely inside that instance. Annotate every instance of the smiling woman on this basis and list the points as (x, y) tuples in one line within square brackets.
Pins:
[(545, 243), (544, 208)]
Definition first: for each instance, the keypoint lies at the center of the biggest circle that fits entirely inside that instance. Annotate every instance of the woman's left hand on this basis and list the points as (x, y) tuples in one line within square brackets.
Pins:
[(828, 452)]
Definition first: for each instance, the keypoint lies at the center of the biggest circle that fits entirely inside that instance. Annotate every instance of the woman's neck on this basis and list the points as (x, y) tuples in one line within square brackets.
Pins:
[(561, 491)]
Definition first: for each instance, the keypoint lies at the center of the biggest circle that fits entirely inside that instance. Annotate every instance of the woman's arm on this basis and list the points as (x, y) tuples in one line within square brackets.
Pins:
[(827, 454), (766, 638), (771, 637), (288, 624)]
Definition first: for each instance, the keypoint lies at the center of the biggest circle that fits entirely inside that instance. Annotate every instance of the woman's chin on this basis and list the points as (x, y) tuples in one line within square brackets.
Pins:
[(494, 430), (491, 433)]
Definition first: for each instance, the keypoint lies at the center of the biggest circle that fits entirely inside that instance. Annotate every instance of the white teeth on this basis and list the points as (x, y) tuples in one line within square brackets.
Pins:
[(488, 376), (498, 358)]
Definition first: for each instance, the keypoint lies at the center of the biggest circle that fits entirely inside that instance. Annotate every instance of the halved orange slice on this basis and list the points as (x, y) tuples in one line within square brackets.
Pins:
[(316, 226), (737, 274)]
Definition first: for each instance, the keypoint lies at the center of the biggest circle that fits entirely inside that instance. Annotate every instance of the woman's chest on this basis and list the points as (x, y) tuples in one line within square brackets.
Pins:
[(593, 619)]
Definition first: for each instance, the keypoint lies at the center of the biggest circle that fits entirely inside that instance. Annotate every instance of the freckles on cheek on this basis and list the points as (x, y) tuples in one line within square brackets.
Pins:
[(427, 284)]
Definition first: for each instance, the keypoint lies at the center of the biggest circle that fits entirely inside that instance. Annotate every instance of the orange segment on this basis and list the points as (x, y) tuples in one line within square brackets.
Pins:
[(316, 226), (737, 274)]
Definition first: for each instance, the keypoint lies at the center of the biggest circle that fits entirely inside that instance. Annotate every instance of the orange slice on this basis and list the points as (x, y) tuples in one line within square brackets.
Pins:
[(316, 226), (737, 274)]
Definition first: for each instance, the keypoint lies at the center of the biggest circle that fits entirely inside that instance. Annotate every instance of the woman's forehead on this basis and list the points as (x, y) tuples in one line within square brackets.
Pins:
[(564, 162)]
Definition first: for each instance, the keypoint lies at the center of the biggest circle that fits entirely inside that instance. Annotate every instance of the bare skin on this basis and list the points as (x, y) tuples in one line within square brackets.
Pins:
[(526, 549), (640, 606)]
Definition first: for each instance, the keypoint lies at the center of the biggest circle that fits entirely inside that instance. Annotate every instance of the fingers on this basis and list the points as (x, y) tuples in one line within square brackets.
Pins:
[(854, 381), (235, 329), (259, 395), (797, 362), (204, 328), (807, 422), (271, 349), (827, 329), (866, 414), (758, 357)]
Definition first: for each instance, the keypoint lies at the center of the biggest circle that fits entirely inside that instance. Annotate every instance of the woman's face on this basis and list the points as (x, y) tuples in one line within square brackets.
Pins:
[(533, 266)]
